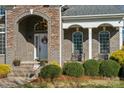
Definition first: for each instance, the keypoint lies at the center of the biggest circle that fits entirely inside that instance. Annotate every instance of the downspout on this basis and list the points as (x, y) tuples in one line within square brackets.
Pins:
[(5, 36), (60, 48)]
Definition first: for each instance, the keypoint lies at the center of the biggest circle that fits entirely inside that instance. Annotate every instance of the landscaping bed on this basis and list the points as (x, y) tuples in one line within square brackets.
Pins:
[(72, 82), (91, 74)]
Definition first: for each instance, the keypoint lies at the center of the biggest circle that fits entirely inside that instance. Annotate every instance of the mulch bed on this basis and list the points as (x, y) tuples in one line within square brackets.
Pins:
[(69, 78), (3, 76)]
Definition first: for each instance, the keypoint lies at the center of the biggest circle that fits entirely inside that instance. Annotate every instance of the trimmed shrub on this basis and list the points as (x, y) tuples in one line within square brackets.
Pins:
[(91, 68), (73, 69), (109, 68), (118, 56), (50, 71), (4, 70)]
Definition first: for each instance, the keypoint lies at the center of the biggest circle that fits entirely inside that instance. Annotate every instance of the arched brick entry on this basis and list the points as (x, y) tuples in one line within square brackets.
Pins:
[(28, 38), (20, 13)]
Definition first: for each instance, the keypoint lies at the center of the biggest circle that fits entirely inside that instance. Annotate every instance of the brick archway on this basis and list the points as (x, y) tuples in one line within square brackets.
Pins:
[(14, 16), (28, 35)]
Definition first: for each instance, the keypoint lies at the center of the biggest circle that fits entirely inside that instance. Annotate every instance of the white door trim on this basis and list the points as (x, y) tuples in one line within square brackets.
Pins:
[(35, 57), (37, 51)]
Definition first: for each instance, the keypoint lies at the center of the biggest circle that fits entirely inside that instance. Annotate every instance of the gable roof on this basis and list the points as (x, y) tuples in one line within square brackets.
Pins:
[(76, 10)]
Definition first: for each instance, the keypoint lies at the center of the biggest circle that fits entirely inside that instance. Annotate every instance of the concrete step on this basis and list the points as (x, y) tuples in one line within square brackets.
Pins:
[(10, 82), (23, 70)]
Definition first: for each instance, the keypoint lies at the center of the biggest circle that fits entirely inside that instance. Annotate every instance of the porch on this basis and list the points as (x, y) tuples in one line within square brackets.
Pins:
[(90, 38)]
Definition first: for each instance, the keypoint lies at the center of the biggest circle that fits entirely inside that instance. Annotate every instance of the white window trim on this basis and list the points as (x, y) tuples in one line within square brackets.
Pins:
[(99, 41), (73, 41)]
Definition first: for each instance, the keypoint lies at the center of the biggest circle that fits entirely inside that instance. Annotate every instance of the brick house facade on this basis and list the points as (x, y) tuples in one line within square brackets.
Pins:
[(89, 31)]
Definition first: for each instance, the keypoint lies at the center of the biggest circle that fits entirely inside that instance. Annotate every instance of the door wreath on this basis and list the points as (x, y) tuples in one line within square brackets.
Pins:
[(44, 40)]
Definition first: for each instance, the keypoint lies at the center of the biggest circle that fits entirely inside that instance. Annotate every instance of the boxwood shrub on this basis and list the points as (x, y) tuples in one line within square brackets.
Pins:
[(109, 68), (50, 71), (91, 67), (73, 69)]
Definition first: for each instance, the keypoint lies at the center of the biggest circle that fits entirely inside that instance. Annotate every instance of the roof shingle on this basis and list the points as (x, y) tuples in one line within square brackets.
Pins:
[(74, 10)]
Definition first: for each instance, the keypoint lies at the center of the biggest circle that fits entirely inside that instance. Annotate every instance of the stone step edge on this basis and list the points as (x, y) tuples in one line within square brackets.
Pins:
[(29, 62)]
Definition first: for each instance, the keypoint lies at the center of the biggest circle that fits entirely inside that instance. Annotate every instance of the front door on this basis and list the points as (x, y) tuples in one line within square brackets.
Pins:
[(41, 46)]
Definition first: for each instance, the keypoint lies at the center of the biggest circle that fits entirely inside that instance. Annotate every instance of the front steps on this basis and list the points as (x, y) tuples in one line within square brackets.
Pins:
[(18, 75), (23, 70)]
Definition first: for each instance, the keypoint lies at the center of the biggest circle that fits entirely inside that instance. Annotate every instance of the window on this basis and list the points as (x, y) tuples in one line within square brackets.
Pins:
[(41, 26), (123, 35), (2, 11), (77, 38), (2, 40), (104, 42)]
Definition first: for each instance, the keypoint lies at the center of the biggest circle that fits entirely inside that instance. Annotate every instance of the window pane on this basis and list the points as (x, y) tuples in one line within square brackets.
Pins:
[(2, 29), (77, 40), (104, 42), (2, 11), (123, 36), (2, 43)]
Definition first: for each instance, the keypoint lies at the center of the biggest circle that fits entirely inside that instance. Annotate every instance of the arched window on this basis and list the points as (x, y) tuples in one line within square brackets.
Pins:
[(104, 38), (41, 26), (77, 38)]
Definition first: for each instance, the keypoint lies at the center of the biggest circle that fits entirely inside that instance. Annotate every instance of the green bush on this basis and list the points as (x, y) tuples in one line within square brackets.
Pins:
[(118, 56), (50, 71), (91, 68), (73, 69), (109, 68)]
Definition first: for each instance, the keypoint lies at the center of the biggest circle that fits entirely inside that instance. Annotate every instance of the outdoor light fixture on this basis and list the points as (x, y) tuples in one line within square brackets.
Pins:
[(104, 28), (77, 29)]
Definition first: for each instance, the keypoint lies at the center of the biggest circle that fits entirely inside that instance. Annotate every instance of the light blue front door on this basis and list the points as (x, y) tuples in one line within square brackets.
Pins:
[(41, 44)]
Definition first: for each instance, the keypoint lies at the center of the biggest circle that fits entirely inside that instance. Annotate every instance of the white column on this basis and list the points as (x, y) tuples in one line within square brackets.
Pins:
[(90, 42), (120, 37)]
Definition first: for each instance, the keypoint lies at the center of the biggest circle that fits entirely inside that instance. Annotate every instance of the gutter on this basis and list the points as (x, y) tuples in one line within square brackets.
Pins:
[(93, 16), (60, 35)]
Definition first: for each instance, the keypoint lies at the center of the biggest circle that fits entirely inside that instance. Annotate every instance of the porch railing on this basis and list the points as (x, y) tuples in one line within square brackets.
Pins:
[(78, 57), (103, 56)]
